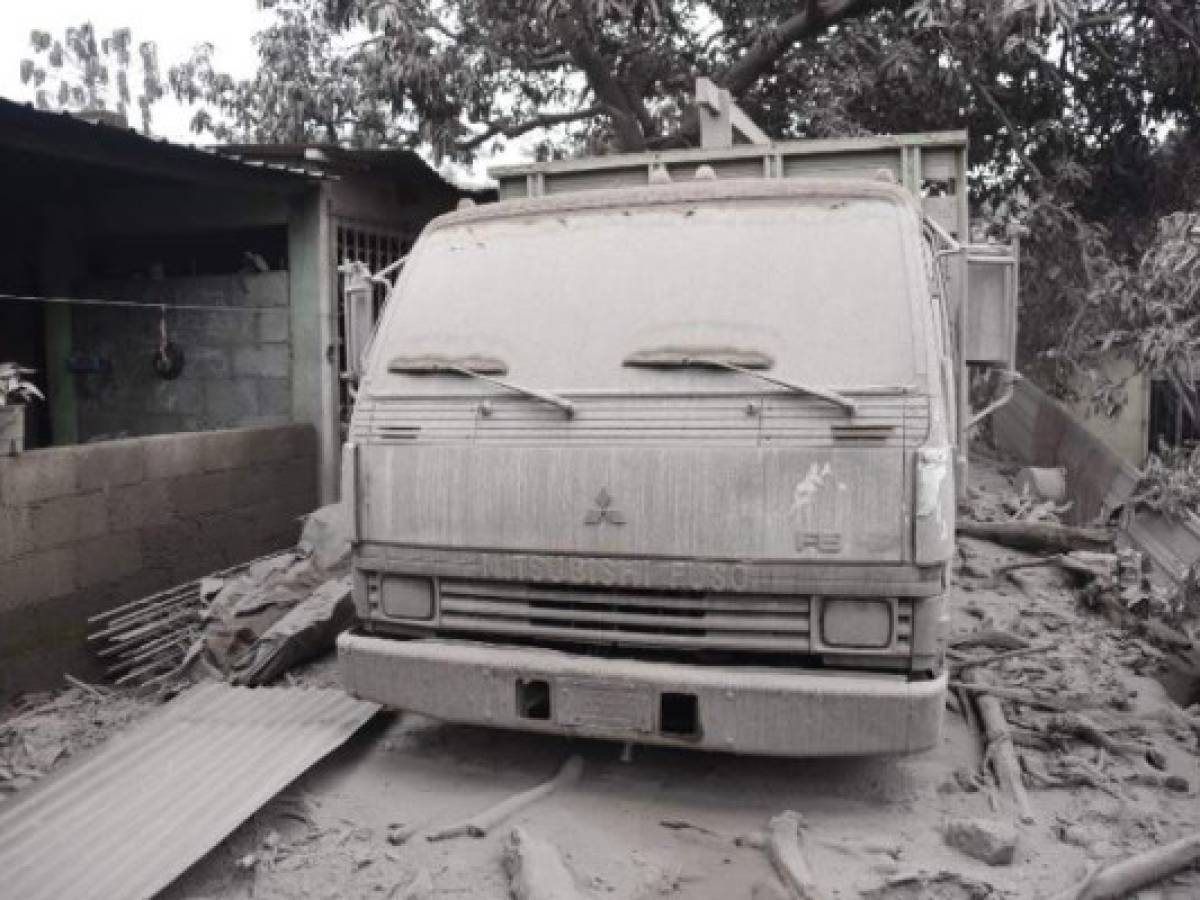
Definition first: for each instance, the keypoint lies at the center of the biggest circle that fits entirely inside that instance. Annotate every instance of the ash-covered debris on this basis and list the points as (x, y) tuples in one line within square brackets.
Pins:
[(41, 732), (248, 624), (283, 609), (1059, 632)]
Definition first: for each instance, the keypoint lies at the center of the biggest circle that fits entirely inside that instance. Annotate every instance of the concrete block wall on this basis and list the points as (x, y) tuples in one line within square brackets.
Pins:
[(238, 357), (88, 527)]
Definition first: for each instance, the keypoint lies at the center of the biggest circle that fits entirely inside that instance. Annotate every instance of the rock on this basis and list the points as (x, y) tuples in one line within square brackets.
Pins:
[(976, 569), (994, 843), (399, 833), (1177, 783)]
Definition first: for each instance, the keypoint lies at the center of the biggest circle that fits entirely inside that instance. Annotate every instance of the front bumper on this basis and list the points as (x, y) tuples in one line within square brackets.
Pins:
[(779, 712)]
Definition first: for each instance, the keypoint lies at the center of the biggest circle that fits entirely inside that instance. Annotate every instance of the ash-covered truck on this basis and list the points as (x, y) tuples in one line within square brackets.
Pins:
[(663, 448)]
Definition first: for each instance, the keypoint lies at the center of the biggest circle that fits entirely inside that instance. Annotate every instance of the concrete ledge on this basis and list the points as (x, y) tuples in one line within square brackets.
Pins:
[(87, 527), (776, 712)]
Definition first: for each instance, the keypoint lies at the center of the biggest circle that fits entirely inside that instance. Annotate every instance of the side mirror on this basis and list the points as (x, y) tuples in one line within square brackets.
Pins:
[(991, 333), (358, 315)]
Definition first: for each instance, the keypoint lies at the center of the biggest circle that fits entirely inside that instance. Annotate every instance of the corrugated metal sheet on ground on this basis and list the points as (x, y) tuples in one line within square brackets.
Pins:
[(127, 820)]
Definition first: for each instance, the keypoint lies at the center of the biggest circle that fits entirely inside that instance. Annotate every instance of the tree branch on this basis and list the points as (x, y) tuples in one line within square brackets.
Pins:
[(1012, 129), (507, 128), (620, 105), (812, 18)]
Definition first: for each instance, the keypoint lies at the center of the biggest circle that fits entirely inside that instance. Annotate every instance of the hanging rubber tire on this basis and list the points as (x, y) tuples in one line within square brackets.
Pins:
[(168, 361)]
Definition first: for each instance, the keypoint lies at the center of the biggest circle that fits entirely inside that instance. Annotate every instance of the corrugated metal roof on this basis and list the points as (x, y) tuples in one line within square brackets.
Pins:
[(404, 166), (130, 818), (63, 135)]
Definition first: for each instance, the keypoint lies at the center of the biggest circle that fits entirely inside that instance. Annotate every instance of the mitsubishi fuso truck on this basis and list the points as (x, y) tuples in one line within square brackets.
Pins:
[(664, 448)]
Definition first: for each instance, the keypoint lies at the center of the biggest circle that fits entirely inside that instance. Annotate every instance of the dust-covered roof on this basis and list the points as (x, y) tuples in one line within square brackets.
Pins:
[(60, 138), (707, 190)]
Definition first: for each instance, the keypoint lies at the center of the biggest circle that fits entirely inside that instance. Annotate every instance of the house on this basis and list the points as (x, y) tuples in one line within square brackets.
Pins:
[(181, 307), (239, 245)]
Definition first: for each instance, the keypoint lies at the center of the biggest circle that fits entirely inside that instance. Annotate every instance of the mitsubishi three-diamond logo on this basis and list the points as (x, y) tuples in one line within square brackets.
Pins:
[(604, 511)]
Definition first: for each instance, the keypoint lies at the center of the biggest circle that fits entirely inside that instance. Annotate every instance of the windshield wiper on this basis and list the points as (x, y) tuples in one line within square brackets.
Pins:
[(745, 362), (482, 368)]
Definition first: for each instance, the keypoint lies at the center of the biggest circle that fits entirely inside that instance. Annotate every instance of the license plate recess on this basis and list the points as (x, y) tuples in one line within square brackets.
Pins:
[(586, 704)]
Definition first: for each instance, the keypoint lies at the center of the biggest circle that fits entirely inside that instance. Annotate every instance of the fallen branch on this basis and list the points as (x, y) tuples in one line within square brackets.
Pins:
[(1039, 537), (478, 826), (1090, 565), (1136, 872), (1061, 703), (535, 869), (786, 855), (83, 686), (683, 825), (960, 661), (1002, 754), (1085, 729), (991, 637)]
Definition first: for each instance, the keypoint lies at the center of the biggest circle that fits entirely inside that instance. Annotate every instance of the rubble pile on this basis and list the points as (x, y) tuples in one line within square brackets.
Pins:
[(248, 624), (42, 731), (1051, 660)]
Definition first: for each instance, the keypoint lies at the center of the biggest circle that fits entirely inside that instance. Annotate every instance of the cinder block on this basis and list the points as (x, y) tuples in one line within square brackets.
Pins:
[(136, 506), (274, 326), (15, 536), (265, 289), (291, 441), (65, 520), (278, 516), (192, 495), (205, 290), (181, 396), (169, 547), (170, 455), (107, 559), (262, 360), (255, 484), (202, 328), (207, 362), (37, 475), (298, 477), (37, 576), (108, 464), (42, 669), (231, 448), (232, 532), (231, 401), (198, 564), (275, 397)]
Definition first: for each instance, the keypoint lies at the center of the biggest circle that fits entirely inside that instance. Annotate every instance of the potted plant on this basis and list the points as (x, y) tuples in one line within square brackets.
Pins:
[(15, 392)]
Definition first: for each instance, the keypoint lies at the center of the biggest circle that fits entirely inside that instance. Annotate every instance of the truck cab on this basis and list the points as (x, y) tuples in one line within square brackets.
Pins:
[(672, 462)]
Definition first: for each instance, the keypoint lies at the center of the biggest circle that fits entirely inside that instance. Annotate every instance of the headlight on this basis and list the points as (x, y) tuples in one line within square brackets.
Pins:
[(407, 597), (856, 623)]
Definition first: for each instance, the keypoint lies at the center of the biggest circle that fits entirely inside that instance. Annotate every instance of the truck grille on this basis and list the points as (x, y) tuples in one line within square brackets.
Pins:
[(747, 623), (881, 421)]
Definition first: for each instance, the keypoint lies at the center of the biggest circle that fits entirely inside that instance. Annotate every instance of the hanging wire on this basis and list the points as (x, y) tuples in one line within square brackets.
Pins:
[(136, 304)]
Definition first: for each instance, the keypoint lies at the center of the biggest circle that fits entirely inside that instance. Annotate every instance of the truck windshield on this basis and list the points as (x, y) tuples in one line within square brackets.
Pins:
[(820, 286)]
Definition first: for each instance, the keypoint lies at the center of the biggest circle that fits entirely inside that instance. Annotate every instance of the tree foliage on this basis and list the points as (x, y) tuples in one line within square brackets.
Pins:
[(81, 71)]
